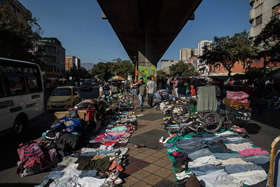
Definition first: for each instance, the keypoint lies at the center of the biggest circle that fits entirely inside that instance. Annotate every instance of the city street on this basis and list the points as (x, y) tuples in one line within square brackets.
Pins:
[(262, 130), (9, 145)]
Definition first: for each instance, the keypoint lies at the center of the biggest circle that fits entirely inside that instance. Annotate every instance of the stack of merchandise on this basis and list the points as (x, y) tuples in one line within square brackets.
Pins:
[(220, 159), (101, 161), (236, 99)]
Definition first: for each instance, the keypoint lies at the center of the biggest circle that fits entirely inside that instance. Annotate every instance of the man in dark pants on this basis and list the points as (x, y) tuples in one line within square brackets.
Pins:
[(151, 89)]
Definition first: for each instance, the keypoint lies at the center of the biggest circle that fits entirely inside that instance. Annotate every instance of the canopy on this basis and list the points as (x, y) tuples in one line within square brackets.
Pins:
[(116, 78)]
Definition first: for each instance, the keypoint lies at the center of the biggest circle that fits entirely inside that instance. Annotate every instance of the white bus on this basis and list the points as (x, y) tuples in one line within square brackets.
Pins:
[(21, 94)]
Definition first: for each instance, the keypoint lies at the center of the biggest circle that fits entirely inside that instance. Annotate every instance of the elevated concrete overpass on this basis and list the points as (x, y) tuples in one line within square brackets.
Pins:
[(146, 28)]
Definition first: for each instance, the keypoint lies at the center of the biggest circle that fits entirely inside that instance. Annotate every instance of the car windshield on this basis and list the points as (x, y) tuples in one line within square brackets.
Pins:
[(86, 83), (62, 92)]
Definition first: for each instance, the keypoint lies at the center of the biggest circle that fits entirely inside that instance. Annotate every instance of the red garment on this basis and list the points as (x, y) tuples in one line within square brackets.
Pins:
[(98, 138), (193, 93), (108, 143)]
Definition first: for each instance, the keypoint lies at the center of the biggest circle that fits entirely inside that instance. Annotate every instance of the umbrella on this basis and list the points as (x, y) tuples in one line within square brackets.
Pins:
[(116, 78)]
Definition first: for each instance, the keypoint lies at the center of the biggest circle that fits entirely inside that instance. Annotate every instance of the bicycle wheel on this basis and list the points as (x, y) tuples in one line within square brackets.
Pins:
[(180, 113), (213, 122), (129, 99), (114, 104)]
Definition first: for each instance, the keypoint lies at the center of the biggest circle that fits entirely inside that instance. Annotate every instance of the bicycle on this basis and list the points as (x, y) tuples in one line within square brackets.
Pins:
[(210, 122)]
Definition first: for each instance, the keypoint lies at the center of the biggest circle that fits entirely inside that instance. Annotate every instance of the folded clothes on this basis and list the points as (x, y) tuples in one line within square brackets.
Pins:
[(239, 147), (116, 133)]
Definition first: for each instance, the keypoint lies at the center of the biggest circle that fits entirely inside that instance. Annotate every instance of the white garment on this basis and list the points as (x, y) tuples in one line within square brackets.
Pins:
[(90, 182), (239, 147), (151, 85), (226, 133), (232, 161), (219, 178), (206, 160), (250, 177)]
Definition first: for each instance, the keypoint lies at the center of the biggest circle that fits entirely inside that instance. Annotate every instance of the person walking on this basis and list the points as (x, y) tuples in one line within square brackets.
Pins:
[(142, 92), (151, 89)]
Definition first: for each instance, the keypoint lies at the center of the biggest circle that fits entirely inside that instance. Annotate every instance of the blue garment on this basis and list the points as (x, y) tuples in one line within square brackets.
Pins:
[(257, 159), (204, 170), (76, 127), (238, 168), (200, 153), (225, 156), (141, 100)]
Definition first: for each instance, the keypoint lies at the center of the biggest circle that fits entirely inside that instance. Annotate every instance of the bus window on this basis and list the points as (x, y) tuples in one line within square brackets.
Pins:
[(1, 87), (34, 84), (16, 84)]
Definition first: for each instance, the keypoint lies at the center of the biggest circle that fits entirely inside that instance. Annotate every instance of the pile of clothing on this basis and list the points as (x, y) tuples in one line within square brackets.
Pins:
[(220, 159), (101, 161)]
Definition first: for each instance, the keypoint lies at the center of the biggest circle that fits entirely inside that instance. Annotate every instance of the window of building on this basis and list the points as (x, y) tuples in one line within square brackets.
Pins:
[(258, 20), (258, 3), (276, 10)]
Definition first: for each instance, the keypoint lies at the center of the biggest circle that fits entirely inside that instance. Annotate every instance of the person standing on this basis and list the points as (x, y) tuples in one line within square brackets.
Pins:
[(175, 86), (188, 94), (167, 89), (151, 89), (193, 92), (142, 92)]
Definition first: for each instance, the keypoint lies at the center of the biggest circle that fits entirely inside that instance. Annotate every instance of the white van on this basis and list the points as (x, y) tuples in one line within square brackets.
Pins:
[(21, 94)]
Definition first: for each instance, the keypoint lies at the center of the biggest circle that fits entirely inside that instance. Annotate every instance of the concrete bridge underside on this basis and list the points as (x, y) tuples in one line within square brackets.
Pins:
[(146, 28)]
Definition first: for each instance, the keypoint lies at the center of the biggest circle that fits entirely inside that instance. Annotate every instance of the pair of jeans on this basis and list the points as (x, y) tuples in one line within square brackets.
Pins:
[(141, 100), (176, 92), (150, 99), (219, 102)]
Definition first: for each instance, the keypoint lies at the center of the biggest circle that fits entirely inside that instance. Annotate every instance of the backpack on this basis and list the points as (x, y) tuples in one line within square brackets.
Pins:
[(34, 158)]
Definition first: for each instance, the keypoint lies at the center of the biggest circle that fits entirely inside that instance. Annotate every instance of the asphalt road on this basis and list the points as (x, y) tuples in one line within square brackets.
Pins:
[(263, 129), (9, 145)]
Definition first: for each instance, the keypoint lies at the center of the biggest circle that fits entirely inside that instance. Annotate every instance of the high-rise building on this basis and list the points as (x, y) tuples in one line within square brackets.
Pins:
[(53, 54), (202, 44), (187, 53), (165, 64), (16, 7), (203, 68), (261, 13), (72, 62)]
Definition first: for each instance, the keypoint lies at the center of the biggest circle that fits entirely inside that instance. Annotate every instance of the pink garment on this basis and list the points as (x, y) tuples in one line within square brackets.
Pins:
[(253, 151), (116, 133), (127, 134), (238, 129)]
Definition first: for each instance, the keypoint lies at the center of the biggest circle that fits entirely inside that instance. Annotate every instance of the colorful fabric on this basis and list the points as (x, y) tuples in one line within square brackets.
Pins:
[(253, 151)]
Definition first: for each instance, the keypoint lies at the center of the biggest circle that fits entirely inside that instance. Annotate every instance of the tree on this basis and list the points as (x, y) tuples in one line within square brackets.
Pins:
[(229, 50), (101, 70), (161, 75), (19, 33), (182, 69), (118, 67), (268, 42)]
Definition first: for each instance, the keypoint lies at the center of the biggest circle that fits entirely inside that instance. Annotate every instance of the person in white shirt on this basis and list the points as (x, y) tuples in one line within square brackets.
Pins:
[(151, 89)]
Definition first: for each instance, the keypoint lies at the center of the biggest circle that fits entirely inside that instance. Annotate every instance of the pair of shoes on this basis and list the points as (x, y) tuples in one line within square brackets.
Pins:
[(141, 110)]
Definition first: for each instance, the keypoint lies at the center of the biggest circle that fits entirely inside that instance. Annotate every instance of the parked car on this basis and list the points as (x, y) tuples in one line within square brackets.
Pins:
[(86, 86), (63, 97)]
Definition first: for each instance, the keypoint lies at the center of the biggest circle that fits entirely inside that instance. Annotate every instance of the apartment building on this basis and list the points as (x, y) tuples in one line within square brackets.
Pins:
[(261, 13)]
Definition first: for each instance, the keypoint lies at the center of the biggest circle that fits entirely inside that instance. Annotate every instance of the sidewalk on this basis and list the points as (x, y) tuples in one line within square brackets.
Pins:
[(148, 166)]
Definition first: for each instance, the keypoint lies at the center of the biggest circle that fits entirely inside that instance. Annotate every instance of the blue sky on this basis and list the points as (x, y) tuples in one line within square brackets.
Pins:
[(78, 25)]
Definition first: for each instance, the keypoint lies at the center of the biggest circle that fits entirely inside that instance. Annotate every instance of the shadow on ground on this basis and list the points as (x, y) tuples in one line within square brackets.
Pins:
[(149, 139)]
